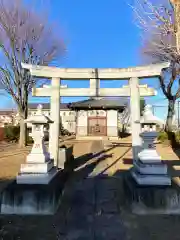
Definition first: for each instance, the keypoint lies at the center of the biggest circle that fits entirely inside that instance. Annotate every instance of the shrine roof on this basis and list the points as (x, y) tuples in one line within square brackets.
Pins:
[(102, 103), (7, 112), (46, 106)]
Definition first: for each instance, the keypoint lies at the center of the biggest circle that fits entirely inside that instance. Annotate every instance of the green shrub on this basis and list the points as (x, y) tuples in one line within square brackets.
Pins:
[(178, 136), (29, 140), (162, 136), (12, 133)]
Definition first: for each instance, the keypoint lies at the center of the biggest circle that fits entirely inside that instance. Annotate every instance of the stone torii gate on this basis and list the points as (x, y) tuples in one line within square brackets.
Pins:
[(55, 91)]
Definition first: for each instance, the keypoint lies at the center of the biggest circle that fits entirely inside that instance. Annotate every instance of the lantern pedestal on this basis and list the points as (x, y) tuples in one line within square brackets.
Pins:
[(151, 199), (36, 167), (38, 186), (149, 169), (151, 179), (39, 168), (33, 199), (36, 178)]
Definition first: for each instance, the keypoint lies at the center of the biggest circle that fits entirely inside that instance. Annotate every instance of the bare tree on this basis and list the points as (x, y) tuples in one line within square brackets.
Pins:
[(25, 36), (159, 22)]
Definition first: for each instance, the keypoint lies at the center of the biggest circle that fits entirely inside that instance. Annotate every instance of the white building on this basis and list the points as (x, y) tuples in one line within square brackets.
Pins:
[(98, 118), (7, 117), (89, 118), (68, 117)]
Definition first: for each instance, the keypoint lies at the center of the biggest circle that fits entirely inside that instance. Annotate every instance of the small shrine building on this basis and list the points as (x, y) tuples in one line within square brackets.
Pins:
[(97, 118)]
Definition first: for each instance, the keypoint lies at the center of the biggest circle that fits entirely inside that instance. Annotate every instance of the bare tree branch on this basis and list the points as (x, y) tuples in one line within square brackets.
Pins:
[(25, 36), (159, 24)]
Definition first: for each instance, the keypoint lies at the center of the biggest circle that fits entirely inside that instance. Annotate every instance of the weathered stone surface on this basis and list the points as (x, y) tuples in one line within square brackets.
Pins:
[(96, 217), (151, 179), (36, 167), (148, 168), (36, 178), (32, 199), (152, 199), (111, 225), (145, 168)]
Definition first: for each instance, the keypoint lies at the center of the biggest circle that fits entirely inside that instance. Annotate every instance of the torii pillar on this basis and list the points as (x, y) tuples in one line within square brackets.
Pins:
[(135, 117), (55, 116)]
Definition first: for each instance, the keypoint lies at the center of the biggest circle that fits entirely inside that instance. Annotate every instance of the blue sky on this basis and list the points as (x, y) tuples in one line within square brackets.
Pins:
[(97, 34)]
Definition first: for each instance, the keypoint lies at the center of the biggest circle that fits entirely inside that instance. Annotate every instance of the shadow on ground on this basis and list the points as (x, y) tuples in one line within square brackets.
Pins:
[(92, 208), (81, 160)]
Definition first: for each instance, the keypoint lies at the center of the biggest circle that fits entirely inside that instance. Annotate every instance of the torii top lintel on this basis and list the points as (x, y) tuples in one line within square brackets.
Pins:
[(152, 70)]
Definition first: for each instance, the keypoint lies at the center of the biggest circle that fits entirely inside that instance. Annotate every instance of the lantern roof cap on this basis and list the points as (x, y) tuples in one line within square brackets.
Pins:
[(39, 117)]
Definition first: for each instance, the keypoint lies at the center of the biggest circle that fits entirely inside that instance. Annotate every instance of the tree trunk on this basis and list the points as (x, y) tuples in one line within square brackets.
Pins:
[(169, 120), (23, 128)]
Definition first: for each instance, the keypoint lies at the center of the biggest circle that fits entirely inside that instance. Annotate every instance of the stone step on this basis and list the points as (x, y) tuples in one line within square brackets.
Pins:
[(36, 178), (151, 180), (36, 167), (154, 169)]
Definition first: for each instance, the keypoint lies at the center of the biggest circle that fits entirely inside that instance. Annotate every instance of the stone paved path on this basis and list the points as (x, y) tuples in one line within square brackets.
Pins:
[(92, 210), (91, 203)]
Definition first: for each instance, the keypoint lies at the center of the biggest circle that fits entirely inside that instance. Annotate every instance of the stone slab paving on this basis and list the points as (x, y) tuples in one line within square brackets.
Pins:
[(93, 201), (94, 211)]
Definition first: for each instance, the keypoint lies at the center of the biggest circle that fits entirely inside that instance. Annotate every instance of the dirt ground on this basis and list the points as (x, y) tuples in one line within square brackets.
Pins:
[(114, 159)]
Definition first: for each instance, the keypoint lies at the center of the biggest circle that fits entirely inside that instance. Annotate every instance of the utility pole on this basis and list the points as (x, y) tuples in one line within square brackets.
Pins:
[(176, 6)]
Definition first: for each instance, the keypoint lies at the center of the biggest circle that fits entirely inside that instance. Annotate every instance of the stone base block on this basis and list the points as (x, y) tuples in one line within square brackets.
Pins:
[(22, 199), (36, 167), (152, 180), (65, 156), (37, 158), (143, 200), (155, 169), (36, 178), (149, 156)]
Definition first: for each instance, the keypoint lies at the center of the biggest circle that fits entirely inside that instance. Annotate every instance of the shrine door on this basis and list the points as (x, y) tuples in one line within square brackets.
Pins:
[(97, 126)]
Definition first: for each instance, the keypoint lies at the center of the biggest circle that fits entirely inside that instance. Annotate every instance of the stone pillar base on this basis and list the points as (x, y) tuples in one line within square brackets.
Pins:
[(38, 157), (36, 178), (37, 167), (33, 199), (144, 200), (150, 168), (151, 179)]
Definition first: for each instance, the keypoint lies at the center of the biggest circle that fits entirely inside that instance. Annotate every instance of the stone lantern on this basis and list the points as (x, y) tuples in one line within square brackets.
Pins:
[(149, 168), (151, 120), (38, 187), (39, 168)]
